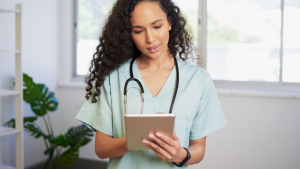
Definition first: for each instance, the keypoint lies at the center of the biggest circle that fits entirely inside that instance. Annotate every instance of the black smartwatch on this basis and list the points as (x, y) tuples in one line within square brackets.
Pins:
[(188, 156)]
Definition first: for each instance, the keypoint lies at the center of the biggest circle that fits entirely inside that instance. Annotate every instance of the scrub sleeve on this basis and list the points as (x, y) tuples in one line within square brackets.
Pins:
[(98, 116), (209, 116)]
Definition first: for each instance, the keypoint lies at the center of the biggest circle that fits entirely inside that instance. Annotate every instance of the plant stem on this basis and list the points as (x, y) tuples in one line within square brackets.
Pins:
[(46, 125), (46, 143), (55, 162), (49, 160), (50, 123), (57, 157), (43, 137)]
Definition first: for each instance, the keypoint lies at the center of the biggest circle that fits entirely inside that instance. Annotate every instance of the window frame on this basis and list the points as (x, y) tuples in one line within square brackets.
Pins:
[(245, 85), (234, 86), (75, 76)]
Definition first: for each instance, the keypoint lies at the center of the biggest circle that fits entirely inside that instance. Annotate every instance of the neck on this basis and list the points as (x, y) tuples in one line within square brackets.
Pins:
[(164, 61)]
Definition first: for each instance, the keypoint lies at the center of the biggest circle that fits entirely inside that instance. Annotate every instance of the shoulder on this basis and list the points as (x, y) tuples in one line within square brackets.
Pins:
[(122, 70), (192, 71), (126, 64)]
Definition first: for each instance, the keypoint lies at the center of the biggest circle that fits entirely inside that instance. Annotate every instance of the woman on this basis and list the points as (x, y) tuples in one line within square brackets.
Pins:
[(152, 32)]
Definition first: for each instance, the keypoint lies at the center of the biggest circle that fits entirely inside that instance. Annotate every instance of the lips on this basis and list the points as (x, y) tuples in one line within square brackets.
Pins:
[(154, 49)]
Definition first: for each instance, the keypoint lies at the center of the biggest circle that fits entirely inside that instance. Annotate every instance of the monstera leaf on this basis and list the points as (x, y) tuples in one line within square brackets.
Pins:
[(28, 125), (48, 99), (61, 140), (80, 134), (70, 156), (31, 91), (12, 122), (38, 97), (34, 131)]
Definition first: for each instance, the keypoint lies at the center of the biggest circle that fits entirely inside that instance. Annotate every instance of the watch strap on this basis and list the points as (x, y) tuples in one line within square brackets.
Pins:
[(188, 156)]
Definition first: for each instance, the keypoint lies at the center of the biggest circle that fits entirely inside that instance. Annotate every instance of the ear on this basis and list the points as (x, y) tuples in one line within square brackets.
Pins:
[(170, 25)]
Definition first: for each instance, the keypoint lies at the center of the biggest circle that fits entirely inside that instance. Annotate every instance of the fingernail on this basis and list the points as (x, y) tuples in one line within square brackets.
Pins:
[(145, 141), (151, 135), (158, 134)]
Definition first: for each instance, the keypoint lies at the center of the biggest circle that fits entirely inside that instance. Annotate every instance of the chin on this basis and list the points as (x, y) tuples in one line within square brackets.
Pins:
[(154, 55)]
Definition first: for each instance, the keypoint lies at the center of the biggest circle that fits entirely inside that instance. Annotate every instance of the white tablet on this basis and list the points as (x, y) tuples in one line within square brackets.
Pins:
[(138, 127)]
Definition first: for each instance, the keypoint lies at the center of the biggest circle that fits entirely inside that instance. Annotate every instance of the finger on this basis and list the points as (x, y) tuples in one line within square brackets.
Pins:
[(157, 149), (161, 156), (166, 139), (159, 141), (158, 154), (166, 146)]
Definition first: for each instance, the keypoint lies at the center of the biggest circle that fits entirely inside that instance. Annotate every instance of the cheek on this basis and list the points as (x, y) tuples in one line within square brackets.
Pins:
[(164, 36), (137, 40)]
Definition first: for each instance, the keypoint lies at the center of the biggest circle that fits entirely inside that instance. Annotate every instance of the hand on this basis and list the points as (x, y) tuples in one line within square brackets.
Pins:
[(166, 148)]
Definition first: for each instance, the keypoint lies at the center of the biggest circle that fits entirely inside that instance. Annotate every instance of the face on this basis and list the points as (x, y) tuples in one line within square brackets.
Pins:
[(150, 29)]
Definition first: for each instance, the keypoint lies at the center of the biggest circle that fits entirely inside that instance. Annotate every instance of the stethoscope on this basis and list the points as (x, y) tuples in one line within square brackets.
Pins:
[(142, 89)]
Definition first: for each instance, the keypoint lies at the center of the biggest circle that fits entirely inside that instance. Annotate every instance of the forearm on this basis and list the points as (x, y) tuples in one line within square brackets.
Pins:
[(110, 147), (197, 152)]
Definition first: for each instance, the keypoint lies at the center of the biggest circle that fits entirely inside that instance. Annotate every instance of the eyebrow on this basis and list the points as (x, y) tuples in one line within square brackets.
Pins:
[(137, 26)]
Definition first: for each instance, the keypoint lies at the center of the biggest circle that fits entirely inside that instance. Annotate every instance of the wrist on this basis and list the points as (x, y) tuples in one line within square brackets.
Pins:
[(185, 160), (125, 144), (182, 156)]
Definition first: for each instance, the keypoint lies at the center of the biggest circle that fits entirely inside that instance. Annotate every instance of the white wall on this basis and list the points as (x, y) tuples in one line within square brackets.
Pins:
[(261, 133), (40, 58), (73, 99)]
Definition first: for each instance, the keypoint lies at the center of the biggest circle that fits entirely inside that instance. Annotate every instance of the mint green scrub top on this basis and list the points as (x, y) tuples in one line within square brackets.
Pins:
[(197, 110)]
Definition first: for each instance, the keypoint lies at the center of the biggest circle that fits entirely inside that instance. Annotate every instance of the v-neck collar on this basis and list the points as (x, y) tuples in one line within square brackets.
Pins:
[(139, 77)]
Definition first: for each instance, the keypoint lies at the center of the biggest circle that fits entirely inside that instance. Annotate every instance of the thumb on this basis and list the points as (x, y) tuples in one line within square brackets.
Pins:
[(175, 136)]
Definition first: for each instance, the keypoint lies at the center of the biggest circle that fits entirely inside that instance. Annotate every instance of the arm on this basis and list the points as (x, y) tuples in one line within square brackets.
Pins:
[(197, 151), (108, 147)]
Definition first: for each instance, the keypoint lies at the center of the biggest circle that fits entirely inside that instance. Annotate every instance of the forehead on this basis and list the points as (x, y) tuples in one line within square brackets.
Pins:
[(145, 13)]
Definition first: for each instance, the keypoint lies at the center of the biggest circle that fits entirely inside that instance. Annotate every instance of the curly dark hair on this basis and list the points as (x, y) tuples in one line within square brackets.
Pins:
[(116, 44)]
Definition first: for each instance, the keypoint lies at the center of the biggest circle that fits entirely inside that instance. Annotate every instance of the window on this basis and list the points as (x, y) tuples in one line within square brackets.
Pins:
[(291, 41), (245, 42), (91, 15), (244, 39), (190, 11)]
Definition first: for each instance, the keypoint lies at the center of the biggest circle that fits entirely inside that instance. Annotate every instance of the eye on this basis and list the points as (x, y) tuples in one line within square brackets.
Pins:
[(138, 32), (157, 27)]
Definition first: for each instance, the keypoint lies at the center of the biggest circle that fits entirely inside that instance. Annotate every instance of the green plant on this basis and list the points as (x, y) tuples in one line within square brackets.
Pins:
[(64, 148)]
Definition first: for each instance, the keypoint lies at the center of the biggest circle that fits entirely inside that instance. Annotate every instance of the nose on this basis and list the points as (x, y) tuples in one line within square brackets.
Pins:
[(150, 38)]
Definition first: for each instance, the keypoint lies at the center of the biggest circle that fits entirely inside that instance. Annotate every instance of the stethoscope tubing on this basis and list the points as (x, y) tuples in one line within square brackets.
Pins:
[(125, 92), (142, 89), (176, 87)]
